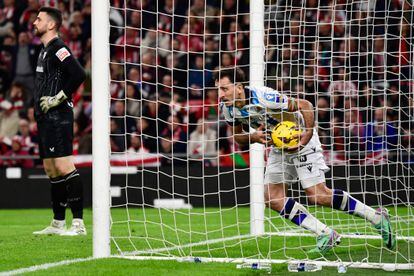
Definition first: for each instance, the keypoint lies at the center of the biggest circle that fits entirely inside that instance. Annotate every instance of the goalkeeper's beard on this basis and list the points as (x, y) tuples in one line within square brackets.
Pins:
[(38, 33)]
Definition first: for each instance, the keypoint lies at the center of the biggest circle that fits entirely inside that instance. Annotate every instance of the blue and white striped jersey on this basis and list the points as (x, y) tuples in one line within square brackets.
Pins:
[(265, 106)]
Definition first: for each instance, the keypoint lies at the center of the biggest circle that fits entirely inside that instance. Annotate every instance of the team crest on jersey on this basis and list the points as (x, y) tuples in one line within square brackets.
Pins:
[(62, 54)]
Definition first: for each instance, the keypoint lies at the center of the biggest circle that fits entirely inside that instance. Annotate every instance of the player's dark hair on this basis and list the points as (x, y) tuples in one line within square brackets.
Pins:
[(235, 75), (55, 14)]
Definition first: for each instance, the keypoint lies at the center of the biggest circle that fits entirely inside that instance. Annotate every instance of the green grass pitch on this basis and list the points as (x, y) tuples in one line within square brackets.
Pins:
[(176, 229)]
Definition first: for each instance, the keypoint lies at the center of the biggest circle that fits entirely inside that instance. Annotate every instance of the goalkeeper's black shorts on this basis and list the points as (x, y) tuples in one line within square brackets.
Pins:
[(55, 132)]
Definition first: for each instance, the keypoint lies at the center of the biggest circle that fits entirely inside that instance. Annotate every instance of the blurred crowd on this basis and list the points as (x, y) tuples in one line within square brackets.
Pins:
[(352, 59), (19, 50)]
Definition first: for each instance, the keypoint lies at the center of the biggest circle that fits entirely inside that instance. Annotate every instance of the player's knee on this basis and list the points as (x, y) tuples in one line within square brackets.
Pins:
[(63, 168), (49, 170), (50, 173)]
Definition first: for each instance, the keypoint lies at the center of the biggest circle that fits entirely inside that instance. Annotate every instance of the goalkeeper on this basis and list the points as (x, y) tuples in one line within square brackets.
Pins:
[(262, 108), (58, 75)]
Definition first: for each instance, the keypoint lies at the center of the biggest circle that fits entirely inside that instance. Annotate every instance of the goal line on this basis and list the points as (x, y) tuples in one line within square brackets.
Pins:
[(250, 236)]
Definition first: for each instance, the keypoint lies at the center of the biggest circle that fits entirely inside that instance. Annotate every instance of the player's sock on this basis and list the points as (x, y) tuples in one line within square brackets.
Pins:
[(298, 214), (75, 193), (59, 197), (342, 200)]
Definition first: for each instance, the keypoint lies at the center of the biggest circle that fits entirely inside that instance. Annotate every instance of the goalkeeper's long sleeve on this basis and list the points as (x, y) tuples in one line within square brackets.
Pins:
[(74, 75)]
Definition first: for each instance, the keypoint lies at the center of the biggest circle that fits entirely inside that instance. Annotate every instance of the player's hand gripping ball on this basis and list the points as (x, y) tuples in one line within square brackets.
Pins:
[(285, 135)]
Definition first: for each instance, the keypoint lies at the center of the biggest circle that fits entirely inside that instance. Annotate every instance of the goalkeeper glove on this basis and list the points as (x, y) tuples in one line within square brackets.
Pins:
[(47, 102)]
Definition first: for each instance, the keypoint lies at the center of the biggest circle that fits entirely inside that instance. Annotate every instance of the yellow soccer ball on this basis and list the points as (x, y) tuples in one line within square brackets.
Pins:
[(285, 135)]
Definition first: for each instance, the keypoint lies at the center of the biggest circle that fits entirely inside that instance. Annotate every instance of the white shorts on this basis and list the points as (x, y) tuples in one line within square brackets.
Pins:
[(308, 166)]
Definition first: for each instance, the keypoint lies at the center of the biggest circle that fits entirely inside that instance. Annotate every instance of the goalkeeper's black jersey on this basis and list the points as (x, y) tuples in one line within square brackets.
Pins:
[(57, 69)]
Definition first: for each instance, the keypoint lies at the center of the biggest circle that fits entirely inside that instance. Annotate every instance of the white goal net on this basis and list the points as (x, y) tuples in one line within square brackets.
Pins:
[(180, 185)]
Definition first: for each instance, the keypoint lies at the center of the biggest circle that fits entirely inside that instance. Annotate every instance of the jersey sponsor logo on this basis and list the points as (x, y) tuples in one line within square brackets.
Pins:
[(62, 54), (39, 69), (304, 165), (309, 168), (52, 149)]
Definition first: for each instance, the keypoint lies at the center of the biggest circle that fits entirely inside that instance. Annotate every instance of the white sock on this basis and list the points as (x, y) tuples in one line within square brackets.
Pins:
[(300, 216)]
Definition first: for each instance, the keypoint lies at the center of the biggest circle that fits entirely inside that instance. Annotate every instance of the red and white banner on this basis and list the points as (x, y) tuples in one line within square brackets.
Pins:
[(122, 159)]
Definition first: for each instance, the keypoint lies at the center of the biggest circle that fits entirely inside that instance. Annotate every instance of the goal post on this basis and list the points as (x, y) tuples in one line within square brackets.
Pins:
[(257, 151), (100, 129)]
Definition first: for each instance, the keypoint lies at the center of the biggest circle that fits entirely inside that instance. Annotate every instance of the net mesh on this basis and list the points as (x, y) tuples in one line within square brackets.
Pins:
[(351, 59)]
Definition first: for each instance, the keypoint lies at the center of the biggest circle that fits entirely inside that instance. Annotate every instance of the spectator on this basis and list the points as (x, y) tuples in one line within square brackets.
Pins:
[(203, 141), (27, 138), (116, 87), (148, 73), (26, 59), (32, 121), (166, 86), (176, 134), (135, 19), (198, 77), (6, 28), (7, 54), (353, 130), (149, 43), (136, 145), (341, 86), (125, 124), (16, 150), (117, 138), (25, 19), (127, 46), (133, 102), (201, 8), (211, 55), (9, 122), (189, 43), (7, 18), (165, 149), (209, 110), (74, 40), (381, 134), (227, 60), (323, 120), (148, 132), (379, 57), (134, 78)]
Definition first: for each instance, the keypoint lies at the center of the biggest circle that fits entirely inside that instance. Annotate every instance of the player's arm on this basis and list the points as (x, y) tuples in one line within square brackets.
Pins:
[(306, 108), (244, 138), (73, 76)]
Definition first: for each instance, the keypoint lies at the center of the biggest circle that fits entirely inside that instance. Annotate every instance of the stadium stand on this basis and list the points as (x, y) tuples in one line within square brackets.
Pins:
[(197, 47)]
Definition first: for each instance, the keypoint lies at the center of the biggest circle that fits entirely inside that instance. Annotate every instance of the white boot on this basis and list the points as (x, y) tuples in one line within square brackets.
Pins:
[(77, 228), (56, 227)]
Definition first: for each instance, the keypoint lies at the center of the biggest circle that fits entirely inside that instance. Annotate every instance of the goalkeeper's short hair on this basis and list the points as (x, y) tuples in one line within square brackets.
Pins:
[(55, 14), (234, 74)]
